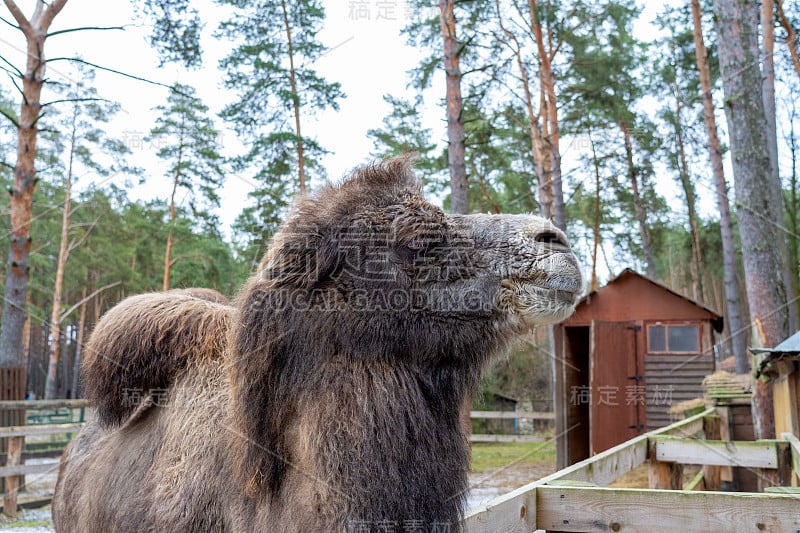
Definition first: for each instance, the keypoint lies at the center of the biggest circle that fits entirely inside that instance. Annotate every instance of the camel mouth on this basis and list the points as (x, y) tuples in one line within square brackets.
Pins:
[(538, 301)]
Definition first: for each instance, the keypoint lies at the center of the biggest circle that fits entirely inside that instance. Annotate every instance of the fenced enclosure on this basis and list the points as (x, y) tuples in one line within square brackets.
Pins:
[(577, 498), (50, 424)]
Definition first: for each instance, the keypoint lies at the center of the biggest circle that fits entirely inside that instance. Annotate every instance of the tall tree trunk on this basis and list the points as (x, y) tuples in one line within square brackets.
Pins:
[(76, 362), (550, 116), (689, 193), (173, 215), (737, 329), (301, 161), (51, 385), (638, 205), (13, 318), (456, 148), (758, 214), (597, 214), (542, 155), (791, 36), (768, 73)]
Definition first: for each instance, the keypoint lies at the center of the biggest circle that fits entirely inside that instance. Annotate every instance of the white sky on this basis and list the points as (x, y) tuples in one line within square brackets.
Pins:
[(368, 57)]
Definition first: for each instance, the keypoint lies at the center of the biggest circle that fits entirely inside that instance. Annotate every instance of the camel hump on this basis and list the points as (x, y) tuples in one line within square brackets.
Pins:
[(141, 345)]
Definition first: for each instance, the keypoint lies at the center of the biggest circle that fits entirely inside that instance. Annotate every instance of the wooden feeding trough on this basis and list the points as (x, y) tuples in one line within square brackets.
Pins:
[(631, 350)]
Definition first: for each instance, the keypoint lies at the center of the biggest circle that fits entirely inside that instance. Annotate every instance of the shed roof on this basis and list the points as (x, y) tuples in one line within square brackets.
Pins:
[(769, 366), (631, 295)]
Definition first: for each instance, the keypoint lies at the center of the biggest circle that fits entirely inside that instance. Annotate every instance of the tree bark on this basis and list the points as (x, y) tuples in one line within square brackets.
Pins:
[(638, 206), (737, 330), (791, 36), (13, 318), (456, 148), (301, 161), (767, 55), (550, 116), (76, 363), (172, 211), (597, 214), (691, 204), (51, 385), (758, 214)]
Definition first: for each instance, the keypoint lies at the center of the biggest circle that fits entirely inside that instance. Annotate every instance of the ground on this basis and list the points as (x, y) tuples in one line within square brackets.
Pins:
[(497, 468)]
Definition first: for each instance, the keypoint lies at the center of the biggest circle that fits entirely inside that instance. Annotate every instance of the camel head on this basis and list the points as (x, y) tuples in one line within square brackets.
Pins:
[(374, 247)]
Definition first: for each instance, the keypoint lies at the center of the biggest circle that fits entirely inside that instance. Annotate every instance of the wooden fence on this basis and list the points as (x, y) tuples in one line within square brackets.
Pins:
[(509, 415), (575, 499), (14, 469)]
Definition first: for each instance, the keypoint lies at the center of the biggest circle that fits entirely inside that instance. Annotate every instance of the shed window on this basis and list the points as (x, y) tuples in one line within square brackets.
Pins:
[(670, 338)]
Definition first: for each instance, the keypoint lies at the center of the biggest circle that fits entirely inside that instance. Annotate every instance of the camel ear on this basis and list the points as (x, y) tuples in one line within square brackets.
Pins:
[(300, 263)]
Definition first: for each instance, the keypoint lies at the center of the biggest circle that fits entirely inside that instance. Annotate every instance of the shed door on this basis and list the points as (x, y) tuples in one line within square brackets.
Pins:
[(615, 385)]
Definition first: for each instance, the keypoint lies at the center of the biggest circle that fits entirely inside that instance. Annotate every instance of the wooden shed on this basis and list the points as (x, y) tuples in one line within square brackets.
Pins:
[(631, 350)]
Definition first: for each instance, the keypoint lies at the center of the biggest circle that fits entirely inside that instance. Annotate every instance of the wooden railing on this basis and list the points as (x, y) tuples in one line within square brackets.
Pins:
[(14, 468), (509, 415), (576, 499)]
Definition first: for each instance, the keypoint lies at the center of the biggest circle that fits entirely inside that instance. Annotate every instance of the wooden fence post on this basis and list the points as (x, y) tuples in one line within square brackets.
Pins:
[(662, 474), (711, 473), (14, 457)]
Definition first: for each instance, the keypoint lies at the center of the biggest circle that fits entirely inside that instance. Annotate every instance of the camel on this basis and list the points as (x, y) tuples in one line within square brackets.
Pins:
[(327, 396)]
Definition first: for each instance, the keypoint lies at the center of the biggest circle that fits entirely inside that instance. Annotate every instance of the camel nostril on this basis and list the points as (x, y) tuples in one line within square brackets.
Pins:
[(550, 237)]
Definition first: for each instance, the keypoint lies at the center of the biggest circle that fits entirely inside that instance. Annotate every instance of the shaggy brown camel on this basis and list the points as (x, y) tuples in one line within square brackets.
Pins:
[(326, 398)]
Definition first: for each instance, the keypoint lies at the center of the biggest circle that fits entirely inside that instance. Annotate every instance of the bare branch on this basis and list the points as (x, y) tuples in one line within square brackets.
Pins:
[(2, 19), (82, 301), (10, 117), (7, 165), (75, 100), (114, 71), (10, 64), (78, 242), (19, 16), (85, 28)]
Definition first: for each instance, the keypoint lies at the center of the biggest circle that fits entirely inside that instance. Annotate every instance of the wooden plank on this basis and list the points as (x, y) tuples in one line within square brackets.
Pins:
[(505, 514), (54, 429), (786, 412), (513, 414), (695, 482), (506, 438), (794, 443), (666, 476), (643, 510), (514, 513), (35, 405), (757, 454), (10, 471), (15, 446)]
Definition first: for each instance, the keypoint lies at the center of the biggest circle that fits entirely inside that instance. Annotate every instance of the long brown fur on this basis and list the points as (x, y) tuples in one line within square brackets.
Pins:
[(327, 398), (143, 342)]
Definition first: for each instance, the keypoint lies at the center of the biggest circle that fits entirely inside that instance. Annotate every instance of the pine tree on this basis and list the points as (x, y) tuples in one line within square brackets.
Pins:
[(270, 70), (188, 141)]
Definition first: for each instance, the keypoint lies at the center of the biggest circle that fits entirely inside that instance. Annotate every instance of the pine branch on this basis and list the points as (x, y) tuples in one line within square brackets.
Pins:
[(2, 19), (86, 28), (114, 71), (10, 64), (10, 117), (75, 100)]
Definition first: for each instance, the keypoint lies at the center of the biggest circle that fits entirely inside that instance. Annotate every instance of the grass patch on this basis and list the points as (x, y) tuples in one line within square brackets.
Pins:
[(486, 455)]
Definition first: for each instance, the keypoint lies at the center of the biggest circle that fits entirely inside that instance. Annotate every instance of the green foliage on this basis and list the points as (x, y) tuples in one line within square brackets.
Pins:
[(189, 142), (176, 30), (259, 70)]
